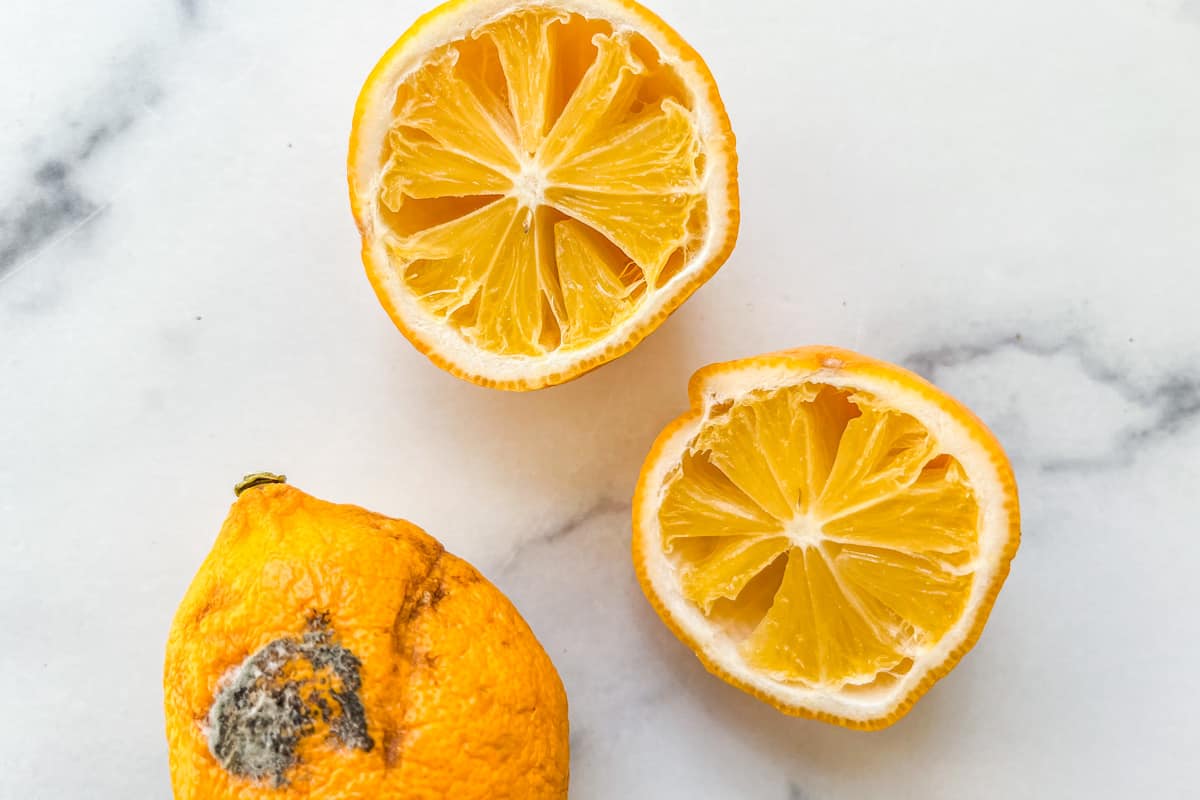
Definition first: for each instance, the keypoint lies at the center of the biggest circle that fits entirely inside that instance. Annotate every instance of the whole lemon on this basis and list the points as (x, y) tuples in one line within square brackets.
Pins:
[(324, 651)]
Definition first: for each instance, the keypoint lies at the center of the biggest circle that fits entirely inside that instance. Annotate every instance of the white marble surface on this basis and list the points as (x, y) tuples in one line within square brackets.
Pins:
[(1005, 196)]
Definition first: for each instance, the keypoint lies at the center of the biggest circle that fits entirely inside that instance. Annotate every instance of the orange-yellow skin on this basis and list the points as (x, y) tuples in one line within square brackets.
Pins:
[(460, 699), (721, 252), (805, 360)]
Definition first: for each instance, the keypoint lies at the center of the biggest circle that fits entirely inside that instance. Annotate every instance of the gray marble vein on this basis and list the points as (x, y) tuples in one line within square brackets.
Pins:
[(565, 529), (52, 201), (1171, 399), (574, 586)]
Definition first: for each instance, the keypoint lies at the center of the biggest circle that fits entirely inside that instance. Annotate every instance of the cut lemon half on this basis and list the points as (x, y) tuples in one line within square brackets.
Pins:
[(538, 185), (826, 531)]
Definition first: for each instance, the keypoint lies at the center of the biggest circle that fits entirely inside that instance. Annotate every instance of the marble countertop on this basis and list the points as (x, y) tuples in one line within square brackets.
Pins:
[(1003, 196)]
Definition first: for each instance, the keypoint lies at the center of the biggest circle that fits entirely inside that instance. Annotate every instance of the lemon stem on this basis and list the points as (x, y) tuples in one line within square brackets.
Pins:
[(257, 479)]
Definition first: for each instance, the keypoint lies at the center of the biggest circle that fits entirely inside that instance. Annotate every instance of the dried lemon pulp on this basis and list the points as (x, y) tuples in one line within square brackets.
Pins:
[(824, 532), (542, 179)]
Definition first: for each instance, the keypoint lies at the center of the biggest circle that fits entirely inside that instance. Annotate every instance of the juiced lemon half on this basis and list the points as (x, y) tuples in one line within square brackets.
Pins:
[(826, 531), (539, 184)]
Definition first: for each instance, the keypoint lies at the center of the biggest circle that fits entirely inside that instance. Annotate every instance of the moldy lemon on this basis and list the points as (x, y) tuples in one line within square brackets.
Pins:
[(329, 653)]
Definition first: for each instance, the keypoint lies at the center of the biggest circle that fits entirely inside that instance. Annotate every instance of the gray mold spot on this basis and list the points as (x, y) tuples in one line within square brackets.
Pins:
[(279, 696)]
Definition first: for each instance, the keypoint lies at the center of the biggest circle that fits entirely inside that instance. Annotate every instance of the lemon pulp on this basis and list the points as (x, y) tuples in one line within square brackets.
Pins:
[(823, 532), (542, 179)]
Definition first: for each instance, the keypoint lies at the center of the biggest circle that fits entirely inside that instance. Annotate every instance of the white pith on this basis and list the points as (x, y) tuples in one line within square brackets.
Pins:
[(529, 185), (804, 531), (374, 115), (862, 703)]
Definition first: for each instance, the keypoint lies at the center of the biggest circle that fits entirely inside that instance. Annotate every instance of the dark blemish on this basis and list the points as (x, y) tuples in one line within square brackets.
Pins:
[(795, 792), (204, 611), (214, 600), (419, 598), (317, 620), (198, 318), (190, 8), (431, 553), (392, 741), (399, 629), (428, 591), (264, 711)]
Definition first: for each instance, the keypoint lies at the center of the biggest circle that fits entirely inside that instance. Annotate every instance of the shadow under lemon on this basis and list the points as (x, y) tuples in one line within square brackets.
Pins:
[(558, 449)]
